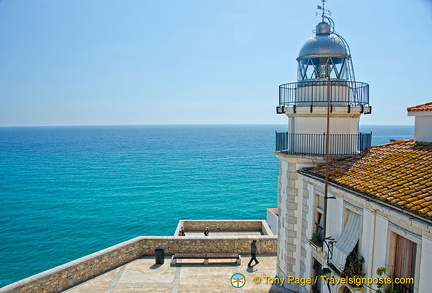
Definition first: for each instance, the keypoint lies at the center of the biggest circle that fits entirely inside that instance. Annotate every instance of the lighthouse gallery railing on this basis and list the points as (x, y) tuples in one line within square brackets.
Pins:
[(314, 93), (314, 144)]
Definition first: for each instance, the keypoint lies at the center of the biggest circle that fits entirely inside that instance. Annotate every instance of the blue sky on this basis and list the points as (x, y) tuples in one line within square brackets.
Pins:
[(105, 62)]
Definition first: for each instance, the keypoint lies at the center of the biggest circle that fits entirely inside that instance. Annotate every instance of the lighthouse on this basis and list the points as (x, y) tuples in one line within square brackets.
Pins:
[(325, 88), (323, 108)]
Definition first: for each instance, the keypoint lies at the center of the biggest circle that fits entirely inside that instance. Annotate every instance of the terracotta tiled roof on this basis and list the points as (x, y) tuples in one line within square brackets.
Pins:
[(422, 107), (398, 173)]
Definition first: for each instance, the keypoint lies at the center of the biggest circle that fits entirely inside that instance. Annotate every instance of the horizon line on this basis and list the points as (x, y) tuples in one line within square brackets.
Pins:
[(181, 124)]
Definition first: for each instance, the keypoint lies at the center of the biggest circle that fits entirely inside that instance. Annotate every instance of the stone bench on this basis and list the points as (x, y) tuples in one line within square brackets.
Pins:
[(206, 256)]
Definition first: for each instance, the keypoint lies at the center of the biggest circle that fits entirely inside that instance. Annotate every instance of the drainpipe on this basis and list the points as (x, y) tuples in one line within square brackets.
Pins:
[(372, 248), (327, 150)]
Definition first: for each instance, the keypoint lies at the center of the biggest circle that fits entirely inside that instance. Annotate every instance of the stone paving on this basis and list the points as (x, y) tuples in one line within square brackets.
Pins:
[(143, 275)]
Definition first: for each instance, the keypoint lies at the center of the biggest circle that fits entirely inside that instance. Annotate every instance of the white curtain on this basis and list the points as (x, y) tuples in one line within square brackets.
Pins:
[(346, 243)]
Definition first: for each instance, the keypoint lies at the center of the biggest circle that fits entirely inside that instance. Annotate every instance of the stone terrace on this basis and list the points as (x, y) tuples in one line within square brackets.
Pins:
[(143, 275), (133, 262)]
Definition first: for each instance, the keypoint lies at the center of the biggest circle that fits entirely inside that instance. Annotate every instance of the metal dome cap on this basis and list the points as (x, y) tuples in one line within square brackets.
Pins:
[(324, 44)]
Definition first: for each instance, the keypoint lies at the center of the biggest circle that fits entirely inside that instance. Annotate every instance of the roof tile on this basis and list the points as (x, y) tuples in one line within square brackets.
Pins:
[(399, 173), (422, 107)]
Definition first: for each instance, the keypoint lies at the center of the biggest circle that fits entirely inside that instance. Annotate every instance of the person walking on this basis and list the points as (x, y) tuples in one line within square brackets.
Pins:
[(206, 232), (254, 251)]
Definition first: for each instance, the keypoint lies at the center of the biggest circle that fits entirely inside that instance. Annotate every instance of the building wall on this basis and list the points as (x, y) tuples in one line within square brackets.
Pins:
[(288, 221), (379, 223), (317, 125), (293, 219), (309, 193), (335, 216), (422, 130), (367, 237), (272, 219), (380, 245), (425, 281), (282, 222)]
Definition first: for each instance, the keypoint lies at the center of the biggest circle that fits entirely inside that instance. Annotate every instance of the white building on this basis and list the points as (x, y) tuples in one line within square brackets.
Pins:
[(376, 210)]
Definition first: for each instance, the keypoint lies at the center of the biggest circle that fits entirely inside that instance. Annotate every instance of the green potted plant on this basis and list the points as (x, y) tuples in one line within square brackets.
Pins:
[(354, 266), (316, 241), (382, 287)]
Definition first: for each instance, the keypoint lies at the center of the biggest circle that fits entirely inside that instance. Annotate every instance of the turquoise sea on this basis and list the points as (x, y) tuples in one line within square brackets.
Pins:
[(66, 192)]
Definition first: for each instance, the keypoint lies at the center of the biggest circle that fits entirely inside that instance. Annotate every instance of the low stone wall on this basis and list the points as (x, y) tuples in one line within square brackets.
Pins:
[(80, 270), (225, 225), (238, 244)]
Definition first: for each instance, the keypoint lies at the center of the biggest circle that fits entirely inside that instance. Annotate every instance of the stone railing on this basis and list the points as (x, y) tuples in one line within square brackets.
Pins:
[(225, 225), (85, 268), (80, 270)]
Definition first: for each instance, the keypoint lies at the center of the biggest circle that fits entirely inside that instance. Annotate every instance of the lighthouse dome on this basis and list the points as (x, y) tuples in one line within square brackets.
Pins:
[(323, 44)]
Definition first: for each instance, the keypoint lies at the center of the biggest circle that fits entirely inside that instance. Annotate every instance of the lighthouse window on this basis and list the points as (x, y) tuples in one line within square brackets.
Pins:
[(328, 67), (306, 69), (340, 68)]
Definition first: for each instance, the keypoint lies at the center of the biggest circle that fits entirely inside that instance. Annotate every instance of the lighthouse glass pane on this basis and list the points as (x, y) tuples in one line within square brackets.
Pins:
[(306, 70), (337, 60), (340, 69), (302, 71), (322, 67)]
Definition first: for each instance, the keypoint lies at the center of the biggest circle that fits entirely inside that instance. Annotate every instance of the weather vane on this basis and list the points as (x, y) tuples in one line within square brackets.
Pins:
[(324, 11)]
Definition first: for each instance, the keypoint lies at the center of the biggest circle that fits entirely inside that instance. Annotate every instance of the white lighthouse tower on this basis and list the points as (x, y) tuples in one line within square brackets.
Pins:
[(323, 108)]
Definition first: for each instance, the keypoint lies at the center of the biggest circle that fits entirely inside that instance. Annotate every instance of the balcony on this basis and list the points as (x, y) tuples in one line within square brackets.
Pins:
[(314, 144), (312, 93)]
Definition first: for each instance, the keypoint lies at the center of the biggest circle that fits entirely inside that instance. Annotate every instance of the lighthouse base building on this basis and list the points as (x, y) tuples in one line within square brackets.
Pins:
[(350, 217), (379, 218)]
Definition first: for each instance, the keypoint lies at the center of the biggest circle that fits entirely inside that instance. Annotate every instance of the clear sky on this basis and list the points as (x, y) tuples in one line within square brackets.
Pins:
[(106, 62)]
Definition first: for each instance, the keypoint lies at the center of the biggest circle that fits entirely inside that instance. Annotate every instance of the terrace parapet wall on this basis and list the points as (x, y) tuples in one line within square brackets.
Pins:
[(85, 268), (225, 225)]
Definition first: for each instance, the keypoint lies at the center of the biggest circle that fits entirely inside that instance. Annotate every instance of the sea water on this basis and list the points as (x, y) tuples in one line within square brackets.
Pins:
[(66, 192)]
